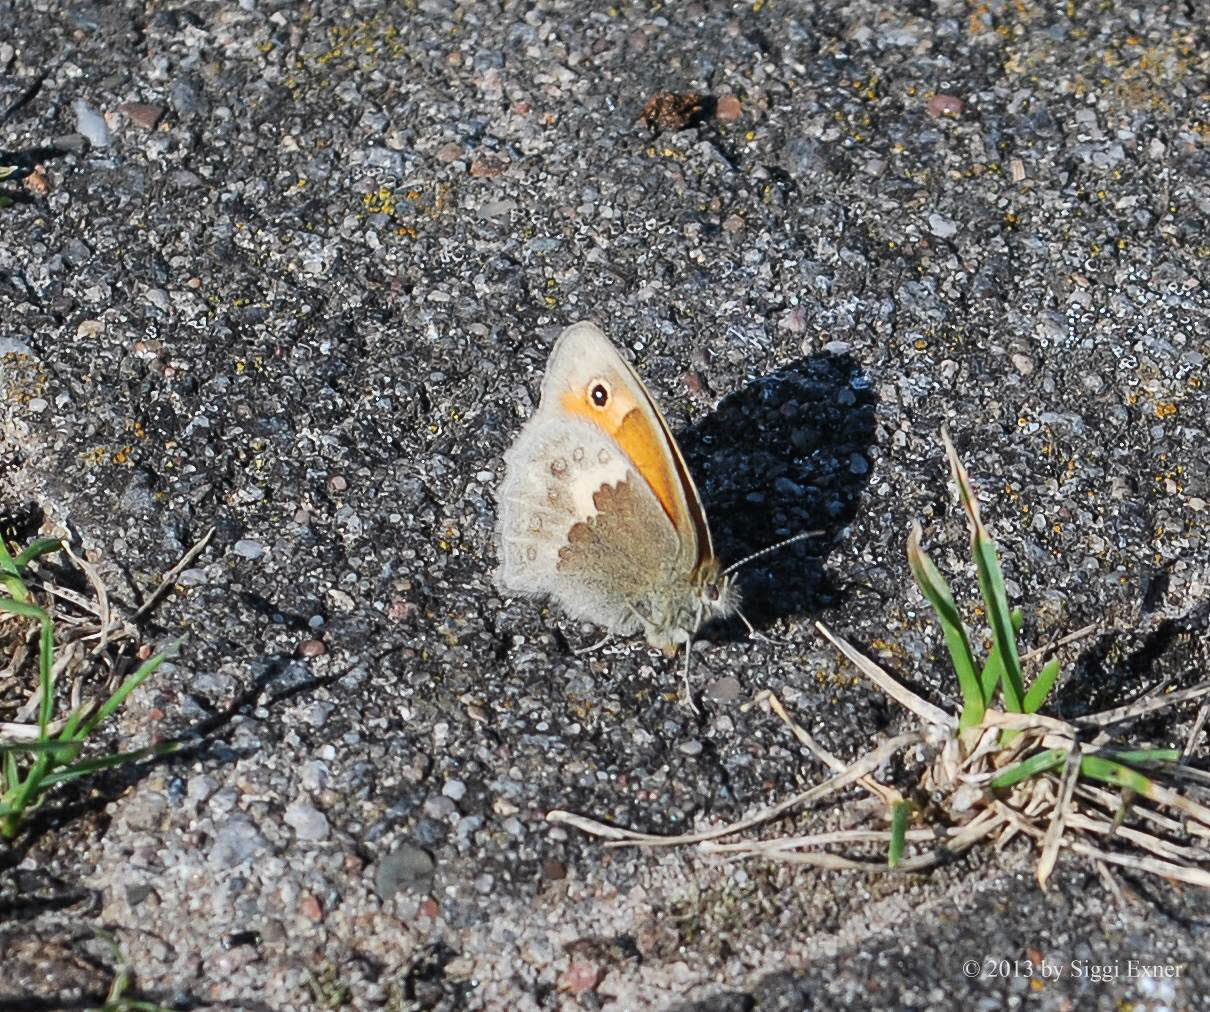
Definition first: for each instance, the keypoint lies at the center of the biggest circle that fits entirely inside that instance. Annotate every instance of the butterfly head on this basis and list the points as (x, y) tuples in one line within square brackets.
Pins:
[(717, 592)]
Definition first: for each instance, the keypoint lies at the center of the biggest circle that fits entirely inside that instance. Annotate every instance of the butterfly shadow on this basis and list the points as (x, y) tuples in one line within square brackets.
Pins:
[(787, 454)]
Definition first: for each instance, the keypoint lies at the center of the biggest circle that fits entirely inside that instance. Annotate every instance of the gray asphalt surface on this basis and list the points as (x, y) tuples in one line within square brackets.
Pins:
[(292, 270)]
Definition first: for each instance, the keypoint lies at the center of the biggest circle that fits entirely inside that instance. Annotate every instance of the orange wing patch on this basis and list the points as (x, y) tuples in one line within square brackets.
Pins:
[(642, 442)]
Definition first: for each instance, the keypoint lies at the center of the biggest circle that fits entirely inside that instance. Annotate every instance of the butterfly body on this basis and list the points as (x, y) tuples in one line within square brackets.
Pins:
[(597, 508)]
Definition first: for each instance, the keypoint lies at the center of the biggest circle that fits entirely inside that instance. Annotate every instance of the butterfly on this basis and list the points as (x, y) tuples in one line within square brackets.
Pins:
[(598, 511)]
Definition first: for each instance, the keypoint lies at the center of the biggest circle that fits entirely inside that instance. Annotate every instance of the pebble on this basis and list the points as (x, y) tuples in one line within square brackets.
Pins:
[(142, 114), (729, 109), (723, 690), (941, 226), (248, 549), (91, 124), (408, 867), (236, 841), (312, 648), (307, 821), (945, 105), (440, 807)]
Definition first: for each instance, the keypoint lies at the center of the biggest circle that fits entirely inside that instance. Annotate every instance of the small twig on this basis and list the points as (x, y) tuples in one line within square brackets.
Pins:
[(627, 837), (925, 710), (71, 597), (12, 732), (888, 795), (1165, 869), (1059, 817), (1054, 645), (1110, 802), (170, 577), (1147, 705), (1196, 731), (1148, 841), (787, 843), (1030, 722), (104, 611), (1110, 882)]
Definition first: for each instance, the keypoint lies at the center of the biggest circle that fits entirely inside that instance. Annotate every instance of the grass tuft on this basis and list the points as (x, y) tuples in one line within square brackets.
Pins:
[(1000, 768), (38, 757)]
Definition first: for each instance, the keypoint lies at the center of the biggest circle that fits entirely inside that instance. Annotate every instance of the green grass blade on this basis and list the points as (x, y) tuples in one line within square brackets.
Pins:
[(899, 821), (1045, 681), (993, 670), (1040, 763), (132, 682), (26, 608), (15, 748), (1097, 767), (36, 549), (86, 766), (68, 733), (938, 594), (6, 560), (991, 584), (46, 675), (1147, 755), (15, 586)]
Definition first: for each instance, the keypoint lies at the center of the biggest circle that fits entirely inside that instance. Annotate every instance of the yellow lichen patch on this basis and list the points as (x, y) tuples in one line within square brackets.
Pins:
[(381, 201)]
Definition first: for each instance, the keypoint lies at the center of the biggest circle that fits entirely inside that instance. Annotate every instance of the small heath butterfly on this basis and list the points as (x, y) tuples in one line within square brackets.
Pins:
[(598, 510)]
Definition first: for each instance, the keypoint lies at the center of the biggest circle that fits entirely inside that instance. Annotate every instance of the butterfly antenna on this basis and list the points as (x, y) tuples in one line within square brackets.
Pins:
[(772, 548)]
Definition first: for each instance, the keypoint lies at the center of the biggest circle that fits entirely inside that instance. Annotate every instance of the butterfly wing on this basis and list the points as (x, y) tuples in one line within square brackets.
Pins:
[(570, 507), (583, 357), (598, 508)]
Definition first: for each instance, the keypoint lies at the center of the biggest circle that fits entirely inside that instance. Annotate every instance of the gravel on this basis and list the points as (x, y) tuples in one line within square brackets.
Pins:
[(294, 276)]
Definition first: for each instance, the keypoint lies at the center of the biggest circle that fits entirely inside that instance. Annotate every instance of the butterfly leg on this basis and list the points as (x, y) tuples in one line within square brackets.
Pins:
[(685, 677), (757, 634)]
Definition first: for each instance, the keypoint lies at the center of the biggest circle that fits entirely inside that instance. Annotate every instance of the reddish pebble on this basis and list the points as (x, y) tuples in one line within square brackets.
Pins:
[(581, 977), (429, 908), (400, 610), (310, 907), (146, 116), (488, 167), (37, 183), (554, 870), (312, 648), (945, 105), (728, 109)]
